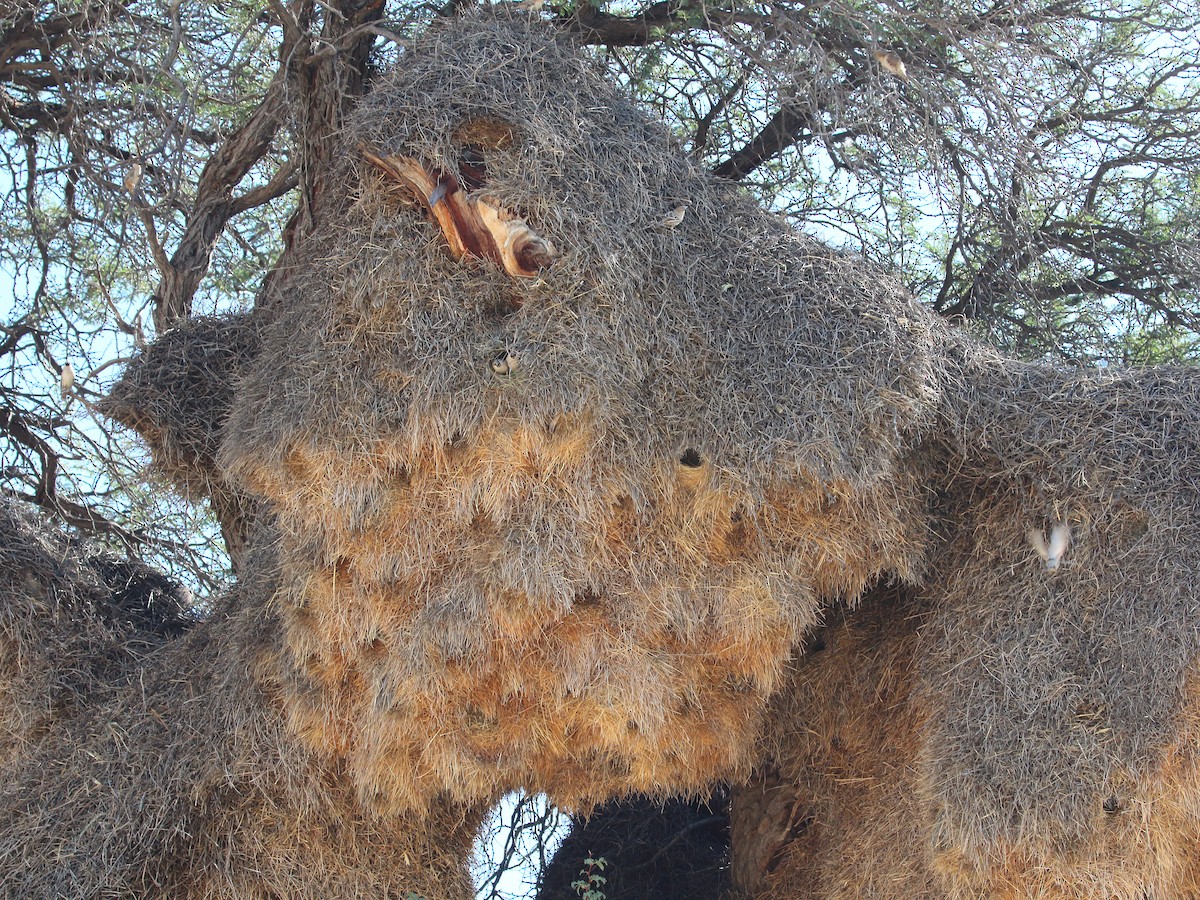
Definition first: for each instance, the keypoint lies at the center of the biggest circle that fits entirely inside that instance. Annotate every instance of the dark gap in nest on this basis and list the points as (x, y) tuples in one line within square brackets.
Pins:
[(142, 598), (400, 475), (500, 307), (482, 523), (738, 684), (737, 538), (587, 598), (691, 458), (472, 167), (1112, 805), (477, 719)]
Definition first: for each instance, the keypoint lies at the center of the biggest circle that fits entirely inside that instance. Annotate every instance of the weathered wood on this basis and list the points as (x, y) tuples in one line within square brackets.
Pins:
[(472, 226)]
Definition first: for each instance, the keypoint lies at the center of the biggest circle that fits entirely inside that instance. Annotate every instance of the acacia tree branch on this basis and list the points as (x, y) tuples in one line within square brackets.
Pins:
[(214, 203), (700, 137), (333, 80), (656, 22), (783, 130)]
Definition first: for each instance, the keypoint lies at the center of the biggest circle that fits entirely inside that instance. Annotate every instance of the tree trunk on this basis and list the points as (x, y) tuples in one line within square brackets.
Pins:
[(765, 816)]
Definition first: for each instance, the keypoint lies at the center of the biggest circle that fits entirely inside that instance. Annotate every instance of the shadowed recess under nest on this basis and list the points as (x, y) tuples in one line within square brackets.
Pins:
[(145, 755), (653, 850), (563, 528), (73, 620)]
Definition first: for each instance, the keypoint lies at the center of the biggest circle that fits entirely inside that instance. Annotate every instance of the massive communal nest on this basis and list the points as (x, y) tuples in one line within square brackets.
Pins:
[(561, 488), (1011, 727), (144, 753), (562, 525)]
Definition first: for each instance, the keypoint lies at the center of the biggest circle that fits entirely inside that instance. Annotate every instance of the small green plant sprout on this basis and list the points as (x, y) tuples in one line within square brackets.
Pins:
[(590, 883)]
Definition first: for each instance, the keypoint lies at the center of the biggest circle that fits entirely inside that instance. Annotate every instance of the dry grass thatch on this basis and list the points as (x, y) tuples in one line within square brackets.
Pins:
[(836, 810), (561, 489), (565, 530), (585, 572), (176, 394), (1004, 728), (1060, 698), (73, 620), (146, 756)]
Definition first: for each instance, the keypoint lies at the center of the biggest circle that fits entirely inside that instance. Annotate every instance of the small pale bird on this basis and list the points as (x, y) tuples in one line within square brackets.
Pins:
[(891, 61), (505, 363), (1052, 553), (66, 379), (133, 177), (674, 218)]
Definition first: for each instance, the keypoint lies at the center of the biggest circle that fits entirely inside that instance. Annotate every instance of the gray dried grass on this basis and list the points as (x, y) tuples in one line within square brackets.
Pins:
[(1002, 729), (74, 620), (176, 393), (1062, 707), (146, 755)]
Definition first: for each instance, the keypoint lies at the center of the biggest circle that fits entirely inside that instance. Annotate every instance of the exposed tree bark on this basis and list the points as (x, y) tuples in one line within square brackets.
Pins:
[(471, 226), (215, 203), (332, 80), (765, 816)]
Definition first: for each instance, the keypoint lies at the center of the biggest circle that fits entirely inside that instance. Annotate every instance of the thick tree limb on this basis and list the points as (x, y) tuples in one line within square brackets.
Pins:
[(215, 204), (784, 130), (331, 84), (592, 25)]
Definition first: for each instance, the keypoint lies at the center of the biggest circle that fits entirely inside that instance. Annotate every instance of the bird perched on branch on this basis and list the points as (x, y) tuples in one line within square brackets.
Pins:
[(674, 218), (133, 177), (66, 379), (892, 62)]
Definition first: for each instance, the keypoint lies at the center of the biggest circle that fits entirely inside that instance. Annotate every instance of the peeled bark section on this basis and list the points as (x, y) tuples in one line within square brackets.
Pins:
[(472, 226)]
